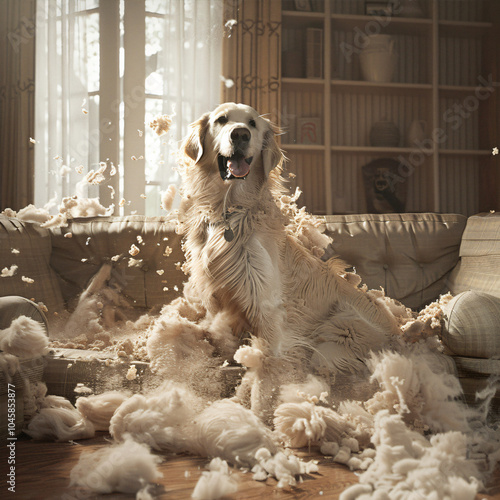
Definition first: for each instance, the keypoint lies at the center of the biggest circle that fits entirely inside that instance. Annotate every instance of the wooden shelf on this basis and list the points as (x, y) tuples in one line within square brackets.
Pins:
[(462, 89), (373, 87), (465, 152), (303, 83), (379, 150), (463, 29), (303, 147), (390, 26)]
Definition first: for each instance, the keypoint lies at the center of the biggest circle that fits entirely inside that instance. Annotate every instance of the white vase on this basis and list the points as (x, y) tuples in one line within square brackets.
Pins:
[(378, 59), (416, 132)]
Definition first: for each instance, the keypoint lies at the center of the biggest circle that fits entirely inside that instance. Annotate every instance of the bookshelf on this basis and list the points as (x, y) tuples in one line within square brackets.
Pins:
[(442, 79)]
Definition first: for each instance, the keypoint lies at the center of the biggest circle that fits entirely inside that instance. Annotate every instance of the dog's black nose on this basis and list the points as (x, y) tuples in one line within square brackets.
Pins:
[(240, 135)]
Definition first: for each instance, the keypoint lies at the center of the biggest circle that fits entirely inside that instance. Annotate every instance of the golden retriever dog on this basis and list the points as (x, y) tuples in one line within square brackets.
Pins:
[(255, 267)]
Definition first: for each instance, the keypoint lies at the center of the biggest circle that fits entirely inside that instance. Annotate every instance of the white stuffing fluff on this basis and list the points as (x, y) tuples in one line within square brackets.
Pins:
[(300, 422), (157, 419), (24, 338), (100, 408), (313, 389), (248, 356), (9, 365), (126, 468), (216, 482), (8, 272), (59, 424), (411, 388), (304, 424), (408, 466), (284, 468), (30, 213), (167, 197), (228, 430)]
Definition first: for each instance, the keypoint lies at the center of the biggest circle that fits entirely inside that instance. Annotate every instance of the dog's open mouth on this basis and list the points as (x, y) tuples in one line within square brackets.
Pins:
[(234, 167)]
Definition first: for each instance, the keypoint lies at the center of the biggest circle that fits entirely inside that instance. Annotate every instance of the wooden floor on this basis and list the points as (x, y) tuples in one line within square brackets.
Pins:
[(43, 469)]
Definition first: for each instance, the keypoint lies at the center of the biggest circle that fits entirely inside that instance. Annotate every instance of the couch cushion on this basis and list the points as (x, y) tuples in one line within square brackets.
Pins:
[(471, 326), (28, 246), (154, 278), (479, 266), (409, 255)]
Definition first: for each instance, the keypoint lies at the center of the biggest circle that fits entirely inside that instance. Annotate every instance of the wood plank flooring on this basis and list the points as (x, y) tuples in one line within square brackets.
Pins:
[(43, 470)]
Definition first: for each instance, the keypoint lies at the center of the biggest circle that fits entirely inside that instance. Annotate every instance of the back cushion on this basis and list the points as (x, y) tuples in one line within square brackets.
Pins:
[(25, 250), (151, 278), (409, 255), (479, 266)]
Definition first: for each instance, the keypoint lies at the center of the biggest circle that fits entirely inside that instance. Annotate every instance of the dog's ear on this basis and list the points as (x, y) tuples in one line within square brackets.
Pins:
[(192, 146), (272, 156)]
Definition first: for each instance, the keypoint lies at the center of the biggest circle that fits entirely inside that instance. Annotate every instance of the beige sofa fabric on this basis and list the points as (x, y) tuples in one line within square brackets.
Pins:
[(28, 246), (472, 325), (146, 281), (479, 267), (409, 255)]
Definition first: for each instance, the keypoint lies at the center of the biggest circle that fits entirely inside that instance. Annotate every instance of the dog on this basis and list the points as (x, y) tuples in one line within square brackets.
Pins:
[(254, 264)]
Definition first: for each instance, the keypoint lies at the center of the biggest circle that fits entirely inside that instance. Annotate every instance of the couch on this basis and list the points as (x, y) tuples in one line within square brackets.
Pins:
[(413, 257)]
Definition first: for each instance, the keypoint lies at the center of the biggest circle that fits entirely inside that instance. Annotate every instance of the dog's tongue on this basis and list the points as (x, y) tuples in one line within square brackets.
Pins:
[(238, 166)]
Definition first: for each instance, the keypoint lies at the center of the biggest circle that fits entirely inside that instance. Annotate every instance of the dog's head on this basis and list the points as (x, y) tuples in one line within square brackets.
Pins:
[(235, 140)]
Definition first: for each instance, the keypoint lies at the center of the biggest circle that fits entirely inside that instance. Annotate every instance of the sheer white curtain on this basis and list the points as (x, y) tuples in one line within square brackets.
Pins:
[(62, 128), (182, 61), (189, 59)]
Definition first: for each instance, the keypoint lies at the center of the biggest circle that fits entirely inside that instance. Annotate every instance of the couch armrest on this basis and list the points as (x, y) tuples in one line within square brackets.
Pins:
[(479, 265)]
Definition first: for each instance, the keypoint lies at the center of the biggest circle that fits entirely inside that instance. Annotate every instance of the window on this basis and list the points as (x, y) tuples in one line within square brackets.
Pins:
[(104, 70)]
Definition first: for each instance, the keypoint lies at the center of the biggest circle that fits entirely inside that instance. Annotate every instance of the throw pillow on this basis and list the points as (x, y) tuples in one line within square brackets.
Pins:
[(472, 325)]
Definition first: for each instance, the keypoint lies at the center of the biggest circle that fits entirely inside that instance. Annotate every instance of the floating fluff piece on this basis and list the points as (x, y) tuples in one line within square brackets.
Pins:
[(471, 324)]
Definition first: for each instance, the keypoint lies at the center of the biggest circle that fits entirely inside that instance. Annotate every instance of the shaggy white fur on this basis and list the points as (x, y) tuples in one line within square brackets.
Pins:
[(126, 467), (24, 338)]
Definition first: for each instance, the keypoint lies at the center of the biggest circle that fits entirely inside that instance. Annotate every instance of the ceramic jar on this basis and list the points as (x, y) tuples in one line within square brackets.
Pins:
[(378, 59)]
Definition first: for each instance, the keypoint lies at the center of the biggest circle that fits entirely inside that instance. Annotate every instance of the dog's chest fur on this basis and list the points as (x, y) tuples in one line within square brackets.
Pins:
[(243, 274)]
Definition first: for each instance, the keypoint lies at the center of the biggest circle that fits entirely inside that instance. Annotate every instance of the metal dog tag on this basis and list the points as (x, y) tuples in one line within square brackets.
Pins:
[(228, 234)]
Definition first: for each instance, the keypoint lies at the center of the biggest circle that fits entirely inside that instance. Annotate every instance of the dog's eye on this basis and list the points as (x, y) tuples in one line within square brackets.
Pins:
[(221, 120), (252, 123)]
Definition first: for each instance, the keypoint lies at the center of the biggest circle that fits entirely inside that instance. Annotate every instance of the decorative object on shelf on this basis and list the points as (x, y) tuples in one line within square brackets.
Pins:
[(408, 8), (303, 5), (416, 133), (378, 58), (378, 8), (385, 134), (385, 188), (314, 59), (309, 131)]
